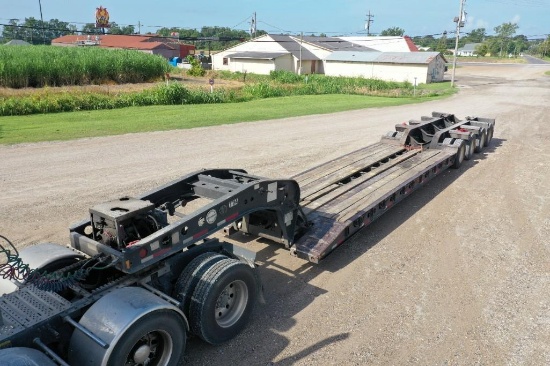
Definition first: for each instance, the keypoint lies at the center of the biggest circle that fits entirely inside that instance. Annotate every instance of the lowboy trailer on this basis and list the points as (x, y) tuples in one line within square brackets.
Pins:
[(144, 272)]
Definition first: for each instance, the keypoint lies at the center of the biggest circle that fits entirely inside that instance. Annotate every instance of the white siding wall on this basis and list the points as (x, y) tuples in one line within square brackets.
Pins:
[(255, 66), (319, 52), (251, 65), (389, 72), (285, 62), (268, 45)]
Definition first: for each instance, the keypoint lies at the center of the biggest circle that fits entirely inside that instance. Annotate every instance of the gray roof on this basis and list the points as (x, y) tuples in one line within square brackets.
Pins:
[(257, 55), (469, 47), (334, 44), (384, 57), (293, 46), (17, 42)]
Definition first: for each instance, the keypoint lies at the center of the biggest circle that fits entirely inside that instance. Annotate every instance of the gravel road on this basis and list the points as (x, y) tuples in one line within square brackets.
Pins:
[(457, 274)]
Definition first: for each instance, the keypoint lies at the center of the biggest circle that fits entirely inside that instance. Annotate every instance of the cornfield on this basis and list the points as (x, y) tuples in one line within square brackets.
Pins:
[(39, 66)]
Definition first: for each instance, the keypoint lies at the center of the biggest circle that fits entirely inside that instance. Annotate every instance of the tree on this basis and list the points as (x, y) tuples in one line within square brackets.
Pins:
[(476, 35), (89, 28), (482, 49), (116, 29), (543, 49), (504, 32), (393, 31), (35, 31)]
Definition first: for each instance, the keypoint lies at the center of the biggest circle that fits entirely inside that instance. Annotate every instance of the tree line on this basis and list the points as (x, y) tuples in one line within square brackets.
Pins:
[(505, 42), (35, 31)]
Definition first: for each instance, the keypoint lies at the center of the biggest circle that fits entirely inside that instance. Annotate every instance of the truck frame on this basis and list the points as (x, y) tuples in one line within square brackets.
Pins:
[(142, 273)]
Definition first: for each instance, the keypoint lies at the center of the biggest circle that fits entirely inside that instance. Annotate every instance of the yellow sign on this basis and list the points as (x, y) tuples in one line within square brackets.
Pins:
[(102, 18)]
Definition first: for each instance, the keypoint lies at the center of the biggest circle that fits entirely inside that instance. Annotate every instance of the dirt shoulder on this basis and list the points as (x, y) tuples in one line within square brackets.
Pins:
[(458, 273)]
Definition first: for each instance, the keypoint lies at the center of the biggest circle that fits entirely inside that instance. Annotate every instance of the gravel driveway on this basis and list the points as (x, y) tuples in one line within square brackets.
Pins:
[(457, 274)]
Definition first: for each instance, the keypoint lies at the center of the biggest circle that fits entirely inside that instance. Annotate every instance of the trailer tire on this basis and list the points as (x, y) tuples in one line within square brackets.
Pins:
[(135, 326), (459, 157), (481, 142), (223, 301), (470, 146), (190, 276), (489, 136), (162, 329)]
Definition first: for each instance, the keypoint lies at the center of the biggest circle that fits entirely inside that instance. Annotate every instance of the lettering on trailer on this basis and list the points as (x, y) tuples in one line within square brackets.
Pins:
[(233, 203)]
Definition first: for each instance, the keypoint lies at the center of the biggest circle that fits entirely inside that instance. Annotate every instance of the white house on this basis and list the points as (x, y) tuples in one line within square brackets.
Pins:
[(335, 56), (419, 67), (279, 52), (469, 49)]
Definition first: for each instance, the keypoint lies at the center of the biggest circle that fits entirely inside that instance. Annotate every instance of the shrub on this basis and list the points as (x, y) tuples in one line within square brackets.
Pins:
[(196, 68)]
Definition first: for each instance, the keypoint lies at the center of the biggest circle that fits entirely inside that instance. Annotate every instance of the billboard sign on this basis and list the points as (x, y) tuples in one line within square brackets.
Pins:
[(102, 18)]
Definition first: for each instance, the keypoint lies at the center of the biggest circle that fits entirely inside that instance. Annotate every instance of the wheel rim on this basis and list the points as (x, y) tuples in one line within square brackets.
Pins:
[(153, 349), (231, 304)]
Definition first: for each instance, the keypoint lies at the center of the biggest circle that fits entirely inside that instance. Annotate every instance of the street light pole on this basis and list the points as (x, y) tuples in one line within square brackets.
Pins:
[(42, 20), (459, 24)]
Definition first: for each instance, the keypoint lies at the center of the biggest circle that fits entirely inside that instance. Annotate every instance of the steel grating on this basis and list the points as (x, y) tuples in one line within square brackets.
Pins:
[(28, 306)]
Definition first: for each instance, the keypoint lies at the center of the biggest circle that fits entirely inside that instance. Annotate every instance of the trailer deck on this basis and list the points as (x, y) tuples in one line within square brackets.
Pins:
[(346, 194)]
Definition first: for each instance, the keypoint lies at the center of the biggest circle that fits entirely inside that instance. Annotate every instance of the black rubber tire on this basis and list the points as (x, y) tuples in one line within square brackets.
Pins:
[(162, 329), (459, 158), (481, 142), (489, 136), (470, 146), (229, 284), (190, 276)]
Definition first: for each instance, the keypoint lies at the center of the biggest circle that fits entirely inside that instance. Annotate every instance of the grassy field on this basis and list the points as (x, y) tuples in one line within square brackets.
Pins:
[(67, 126), (39, 66)]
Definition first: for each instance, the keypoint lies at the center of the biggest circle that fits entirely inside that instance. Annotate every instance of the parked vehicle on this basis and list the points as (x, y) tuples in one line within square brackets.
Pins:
[(143, 272)]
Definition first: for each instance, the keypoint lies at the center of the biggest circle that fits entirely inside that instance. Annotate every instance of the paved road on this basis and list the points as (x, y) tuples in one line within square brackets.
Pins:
[(536, 61), (459, 273)]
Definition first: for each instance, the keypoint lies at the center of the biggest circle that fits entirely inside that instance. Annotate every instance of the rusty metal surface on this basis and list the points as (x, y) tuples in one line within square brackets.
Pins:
[(332, 172), (342, 208)]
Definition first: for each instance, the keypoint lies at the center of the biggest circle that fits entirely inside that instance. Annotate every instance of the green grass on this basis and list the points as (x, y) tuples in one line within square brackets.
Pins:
[(490, 59), (547, 73), (72, 125), (39, 66)]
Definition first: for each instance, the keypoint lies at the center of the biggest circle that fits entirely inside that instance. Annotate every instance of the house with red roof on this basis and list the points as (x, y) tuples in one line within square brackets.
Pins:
[(152, 44)]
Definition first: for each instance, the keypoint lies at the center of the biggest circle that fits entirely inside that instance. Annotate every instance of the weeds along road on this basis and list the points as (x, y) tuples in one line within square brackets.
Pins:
[(458, 273)]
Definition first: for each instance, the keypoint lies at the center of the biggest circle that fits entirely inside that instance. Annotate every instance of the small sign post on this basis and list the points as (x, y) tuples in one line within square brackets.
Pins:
[(211, 82)]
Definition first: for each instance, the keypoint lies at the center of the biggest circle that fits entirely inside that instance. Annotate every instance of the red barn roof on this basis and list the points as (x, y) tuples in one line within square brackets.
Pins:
[(411, 44)]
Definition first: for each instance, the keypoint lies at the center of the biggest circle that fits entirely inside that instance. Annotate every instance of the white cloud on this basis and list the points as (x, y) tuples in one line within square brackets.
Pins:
[(515, 19), (475, 23)]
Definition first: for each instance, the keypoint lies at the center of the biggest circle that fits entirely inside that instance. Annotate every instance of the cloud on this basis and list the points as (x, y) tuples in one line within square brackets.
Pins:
[(475, 23), (515, 19)]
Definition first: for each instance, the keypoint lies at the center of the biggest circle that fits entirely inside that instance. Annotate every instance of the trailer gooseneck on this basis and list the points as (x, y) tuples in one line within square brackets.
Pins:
[(143, 272)]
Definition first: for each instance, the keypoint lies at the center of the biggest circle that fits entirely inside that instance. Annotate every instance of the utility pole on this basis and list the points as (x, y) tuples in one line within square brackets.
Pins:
[(459, 24), (369, 20), (42, 20), (139, 27), (253, 26)]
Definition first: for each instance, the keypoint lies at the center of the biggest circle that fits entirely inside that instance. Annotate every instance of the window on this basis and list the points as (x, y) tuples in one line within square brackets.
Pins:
[(225, 61)]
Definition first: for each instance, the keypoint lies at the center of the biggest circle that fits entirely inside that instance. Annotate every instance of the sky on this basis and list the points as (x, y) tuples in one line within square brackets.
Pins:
[(334, 18)]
